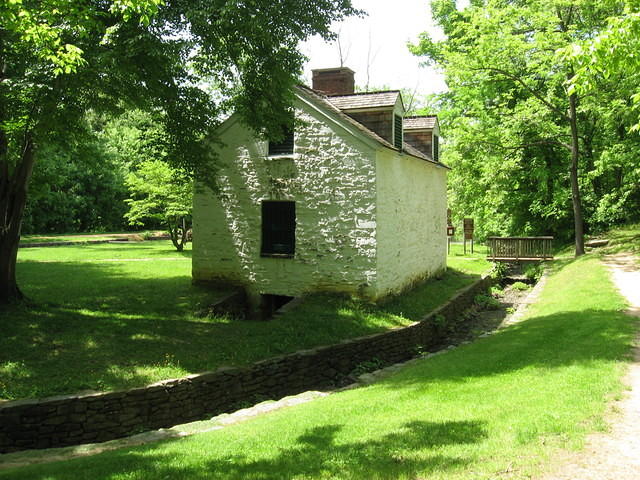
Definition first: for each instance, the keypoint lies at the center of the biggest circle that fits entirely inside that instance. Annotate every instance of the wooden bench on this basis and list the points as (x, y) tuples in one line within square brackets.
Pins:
[(520, 249)]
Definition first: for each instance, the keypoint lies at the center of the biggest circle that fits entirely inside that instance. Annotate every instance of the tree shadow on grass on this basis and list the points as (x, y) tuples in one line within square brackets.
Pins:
[(407, 452), (158, 290), (102, 326)]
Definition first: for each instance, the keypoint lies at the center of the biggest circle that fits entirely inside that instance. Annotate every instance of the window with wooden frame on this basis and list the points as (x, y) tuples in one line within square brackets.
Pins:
[(284, 146), (278, 229)]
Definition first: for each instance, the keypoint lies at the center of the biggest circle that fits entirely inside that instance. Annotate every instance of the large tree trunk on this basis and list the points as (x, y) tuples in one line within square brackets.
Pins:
[(13, 198), (575, 187)]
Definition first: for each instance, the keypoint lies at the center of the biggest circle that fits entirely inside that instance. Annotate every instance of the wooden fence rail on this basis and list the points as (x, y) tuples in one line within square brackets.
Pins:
[(527, 249)]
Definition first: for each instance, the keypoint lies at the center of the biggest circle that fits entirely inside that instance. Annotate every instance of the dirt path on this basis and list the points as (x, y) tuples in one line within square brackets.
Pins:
[(614, 455)]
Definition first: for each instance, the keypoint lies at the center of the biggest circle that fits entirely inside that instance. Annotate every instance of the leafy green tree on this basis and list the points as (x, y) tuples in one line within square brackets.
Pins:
[(162, 194), (60, 58), (521, 133), (78, 184), (609, 58)]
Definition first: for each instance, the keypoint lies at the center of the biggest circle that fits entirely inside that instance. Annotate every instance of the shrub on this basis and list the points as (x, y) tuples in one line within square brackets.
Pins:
[(520, 286), (487, 302), (533, 272)]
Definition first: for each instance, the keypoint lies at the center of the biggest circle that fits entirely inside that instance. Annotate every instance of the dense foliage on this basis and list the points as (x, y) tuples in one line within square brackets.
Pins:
[(518, 133), (78, 183)]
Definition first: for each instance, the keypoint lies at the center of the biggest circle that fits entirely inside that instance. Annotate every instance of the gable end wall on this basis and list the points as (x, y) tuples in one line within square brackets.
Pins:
[(331, 177)]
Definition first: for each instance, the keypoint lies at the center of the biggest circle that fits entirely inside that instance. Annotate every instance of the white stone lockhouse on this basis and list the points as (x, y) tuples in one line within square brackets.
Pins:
[(353, 200)]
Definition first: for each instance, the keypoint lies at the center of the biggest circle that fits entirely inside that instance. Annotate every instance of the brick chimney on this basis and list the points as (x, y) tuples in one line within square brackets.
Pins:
[(333, 81)]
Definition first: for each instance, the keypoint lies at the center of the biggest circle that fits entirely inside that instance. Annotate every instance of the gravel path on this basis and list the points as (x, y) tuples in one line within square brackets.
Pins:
[(614, 455)]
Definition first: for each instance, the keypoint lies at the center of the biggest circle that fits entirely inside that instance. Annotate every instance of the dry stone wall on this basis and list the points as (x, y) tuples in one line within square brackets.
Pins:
[(88, 418)]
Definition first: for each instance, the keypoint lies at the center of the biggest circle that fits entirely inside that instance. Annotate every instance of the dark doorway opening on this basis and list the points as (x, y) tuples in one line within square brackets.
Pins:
[(272, 303)]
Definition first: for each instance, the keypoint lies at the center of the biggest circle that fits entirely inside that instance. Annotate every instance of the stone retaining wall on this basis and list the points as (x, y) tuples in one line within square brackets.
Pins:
[(76, 419)]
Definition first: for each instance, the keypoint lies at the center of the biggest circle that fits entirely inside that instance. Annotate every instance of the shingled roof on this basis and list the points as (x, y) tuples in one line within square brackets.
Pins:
[(365, 100), (419, 122), (320, 97), (330, 105)]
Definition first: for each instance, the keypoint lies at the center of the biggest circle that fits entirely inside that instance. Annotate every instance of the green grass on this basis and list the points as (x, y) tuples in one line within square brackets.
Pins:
[(497, 408), (110, 316), (622, 239)]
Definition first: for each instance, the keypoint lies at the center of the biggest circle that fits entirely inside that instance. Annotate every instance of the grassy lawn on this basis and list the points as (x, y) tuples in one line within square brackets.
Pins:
[(110, 316), (497, 408), (621, 239)]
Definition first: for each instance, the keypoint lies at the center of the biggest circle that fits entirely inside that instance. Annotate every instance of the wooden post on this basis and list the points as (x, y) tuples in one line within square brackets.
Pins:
[(450, 232), (467, 224)]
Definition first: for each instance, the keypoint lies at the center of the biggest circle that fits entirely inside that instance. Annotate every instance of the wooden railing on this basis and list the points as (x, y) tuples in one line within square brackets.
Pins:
[(509, 249)]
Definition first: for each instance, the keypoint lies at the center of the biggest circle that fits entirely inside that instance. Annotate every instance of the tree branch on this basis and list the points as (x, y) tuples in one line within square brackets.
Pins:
[(529, 144), (518, 80)]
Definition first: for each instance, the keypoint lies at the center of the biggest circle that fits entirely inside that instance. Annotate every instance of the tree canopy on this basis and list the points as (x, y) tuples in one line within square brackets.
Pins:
[(530, 153), (60, 58)]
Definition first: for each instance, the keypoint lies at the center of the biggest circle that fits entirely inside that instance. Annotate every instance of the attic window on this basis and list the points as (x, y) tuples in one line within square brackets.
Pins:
[(436, 148), (285, 146), (397, 131), (278, 229)]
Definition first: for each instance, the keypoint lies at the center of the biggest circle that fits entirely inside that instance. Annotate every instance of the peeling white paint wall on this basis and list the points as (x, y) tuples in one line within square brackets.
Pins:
[(412, 217), (339, 184), (331, 177)]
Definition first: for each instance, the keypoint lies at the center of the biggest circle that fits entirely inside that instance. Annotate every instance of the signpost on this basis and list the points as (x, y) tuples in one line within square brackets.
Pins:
[(468, 233), (450, 230)]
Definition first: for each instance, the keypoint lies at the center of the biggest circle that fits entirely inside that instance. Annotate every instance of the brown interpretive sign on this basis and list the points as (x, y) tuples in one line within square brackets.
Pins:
[(467, 225)]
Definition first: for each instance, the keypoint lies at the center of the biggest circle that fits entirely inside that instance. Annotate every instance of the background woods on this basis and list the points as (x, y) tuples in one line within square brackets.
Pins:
[(531, 153)]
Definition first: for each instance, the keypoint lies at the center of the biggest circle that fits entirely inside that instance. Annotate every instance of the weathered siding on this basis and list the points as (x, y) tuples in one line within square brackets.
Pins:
[(411, 219), (331, 177), (422, 140), (379, 121)]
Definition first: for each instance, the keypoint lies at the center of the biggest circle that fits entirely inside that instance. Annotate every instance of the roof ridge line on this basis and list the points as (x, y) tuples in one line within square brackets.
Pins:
[(362, 93)]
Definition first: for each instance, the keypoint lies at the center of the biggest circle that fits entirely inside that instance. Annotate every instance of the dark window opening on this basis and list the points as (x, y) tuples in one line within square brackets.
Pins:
[(285, 146), (436, 148), (278, 229), (397, 134)]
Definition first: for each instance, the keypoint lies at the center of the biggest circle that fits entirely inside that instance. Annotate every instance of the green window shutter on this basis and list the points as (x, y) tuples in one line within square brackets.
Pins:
[(397, 131), (436, 148)]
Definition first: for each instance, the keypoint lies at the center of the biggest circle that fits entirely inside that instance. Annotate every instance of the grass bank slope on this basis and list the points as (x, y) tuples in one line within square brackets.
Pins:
[(492, 409)]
